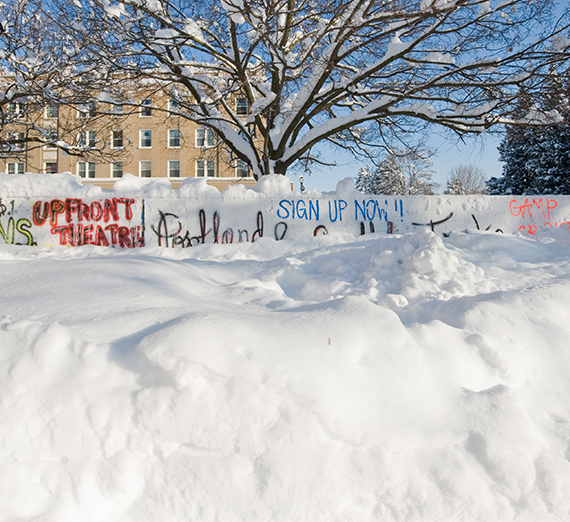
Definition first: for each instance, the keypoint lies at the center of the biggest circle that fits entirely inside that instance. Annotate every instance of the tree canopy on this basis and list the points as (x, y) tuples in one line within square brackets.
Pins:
[(358, 74), (42, 65)]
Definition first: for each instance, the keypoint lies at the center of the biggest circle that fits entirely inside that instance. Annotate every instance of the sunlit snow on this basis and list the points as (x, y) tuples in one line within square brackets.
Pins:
[(388, 377)]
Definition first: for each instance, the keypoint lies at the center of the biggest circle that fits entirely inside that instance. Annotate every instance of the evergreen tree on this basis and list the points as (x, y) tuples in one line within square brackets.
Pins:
[(537, 158), (408, 174), (366, 181)]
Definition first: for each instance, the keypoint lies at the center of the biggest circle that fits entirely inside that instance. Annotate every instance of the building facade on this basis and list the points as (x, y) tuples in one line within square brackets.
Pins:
[(102, 141)]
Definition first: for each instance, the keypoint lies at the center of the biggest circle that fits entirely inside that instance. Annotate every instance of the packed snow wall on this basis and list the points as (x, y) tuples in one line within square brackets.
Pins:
[(139, 213)]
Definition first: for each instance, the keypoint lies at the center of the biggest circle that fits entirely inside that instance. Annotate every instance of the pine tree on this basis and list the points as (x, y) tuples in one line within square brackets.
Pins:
[(537, 158), (366, 181), (402, 174)]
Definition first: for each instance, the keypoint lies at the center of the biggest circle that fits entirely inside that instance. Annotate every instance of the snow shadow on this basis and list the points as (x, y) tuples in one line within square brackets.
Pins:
[(125, 353)]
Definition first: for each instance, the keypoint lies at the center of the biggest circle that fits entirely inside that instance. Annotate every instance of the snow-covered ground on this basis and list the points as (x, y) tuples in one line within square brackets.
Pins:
[(392, 378)]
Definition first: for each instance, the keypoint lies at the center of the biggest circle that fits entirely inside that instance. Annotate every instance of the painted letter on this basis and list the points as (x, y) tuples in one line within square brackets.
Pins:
[(286, 211)]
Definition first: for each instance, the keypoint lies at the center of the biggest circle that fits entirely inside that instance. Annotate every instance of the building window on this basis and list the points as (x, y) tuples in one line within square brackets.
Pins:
[(86, 139), (205, 168), (146, 139), (174, 138), (117, 139), (16, 110), (146, 108), (52, 111), (20, 139), (242, 169), (204, 138), (144, 169), (86, 169), (117, 169), (174, 169), (50, 168), (173, 105), (15, 168), (86, 110), (241, 106), (51, 140)]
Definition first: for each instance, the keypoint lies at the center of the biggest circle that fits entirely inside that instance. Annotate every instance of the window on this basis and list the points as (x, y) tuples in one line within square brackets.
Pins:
[(52, 111), (50, 168), (15, 168), (205, 168), (204, 138), (92, 140), (241, 106), (242, 169), (117, 169), (86, 110), (144, 169), (174, 169), (16, 110), (86, 169), (20, 138), (146, 110), (146, 139), (87, 139), (117, 139), (174, 138), (51, 139), (173, 105)]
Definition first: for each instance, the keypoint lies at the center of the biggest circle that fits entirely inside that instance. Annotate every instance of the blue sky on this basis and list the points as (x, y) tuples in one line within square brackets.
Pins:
[(481, 152)]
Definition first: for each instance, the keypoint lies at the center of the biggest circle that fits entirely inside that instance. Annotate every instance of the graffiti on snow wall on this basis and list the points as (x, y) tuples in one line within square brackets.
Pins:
[(183, 222), (72, 222), (14, 228)]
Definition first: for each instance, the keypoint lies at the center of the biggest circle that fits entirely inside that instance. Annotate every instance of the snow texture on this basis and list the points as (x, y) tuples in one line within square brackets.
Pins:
[(399, 377)]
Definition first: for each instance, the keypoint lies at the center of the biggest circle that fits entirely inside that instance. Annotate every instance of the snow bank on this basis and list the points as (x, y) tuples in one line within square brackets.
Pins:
[(389, 377)]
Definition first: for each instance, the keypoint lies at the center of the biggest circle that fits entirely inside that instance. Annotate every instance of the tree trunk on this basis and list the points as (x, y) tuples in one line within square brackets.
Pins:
[(280, 168)]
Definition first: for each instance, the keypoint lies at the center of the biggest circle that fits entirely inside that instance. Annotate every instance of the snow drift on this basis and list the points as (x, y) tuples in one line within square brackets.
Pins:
[(405, 377)]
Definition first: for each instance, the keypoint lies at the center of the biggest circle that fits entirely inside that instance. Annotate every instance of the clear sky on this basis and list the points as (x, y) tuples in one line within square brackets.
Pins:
[(481, 152)]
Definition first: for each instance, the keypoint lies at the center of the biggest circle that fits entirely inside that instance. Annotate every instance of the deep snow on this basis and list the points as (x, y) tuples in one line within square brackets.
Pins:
[(394, 378)]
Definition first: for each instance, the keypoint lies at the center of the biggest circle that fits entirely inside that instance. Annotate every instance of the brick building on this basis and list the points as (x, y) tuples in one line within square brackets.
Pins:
[(102, 141)]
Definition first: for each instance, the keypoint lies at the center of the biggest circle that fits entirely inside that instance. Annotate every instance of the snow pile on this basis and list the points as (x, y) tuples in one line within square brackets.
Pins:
[(404, 377)]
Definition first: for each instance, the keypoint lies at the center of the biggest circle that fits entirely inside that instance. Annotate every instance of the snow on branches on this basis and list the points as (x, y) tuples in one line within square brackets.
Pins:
[(313, 70), (406, 173)]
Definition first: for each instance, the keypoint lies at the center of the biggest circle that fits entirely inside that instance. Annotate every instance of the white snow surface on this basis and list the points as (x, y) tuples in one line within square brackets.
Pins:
[(388, 377)]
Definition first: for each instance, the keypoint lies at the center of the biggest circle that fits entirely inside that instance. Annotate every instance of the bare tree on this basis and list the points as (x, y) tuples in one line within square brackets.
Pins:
[(43, 68), (355, 73), (466, 179)]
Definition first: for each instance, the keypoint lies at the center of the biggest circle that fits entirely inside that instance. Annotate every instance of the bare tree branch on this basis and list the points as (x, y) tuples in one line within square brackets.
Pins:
[(315, 71)]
